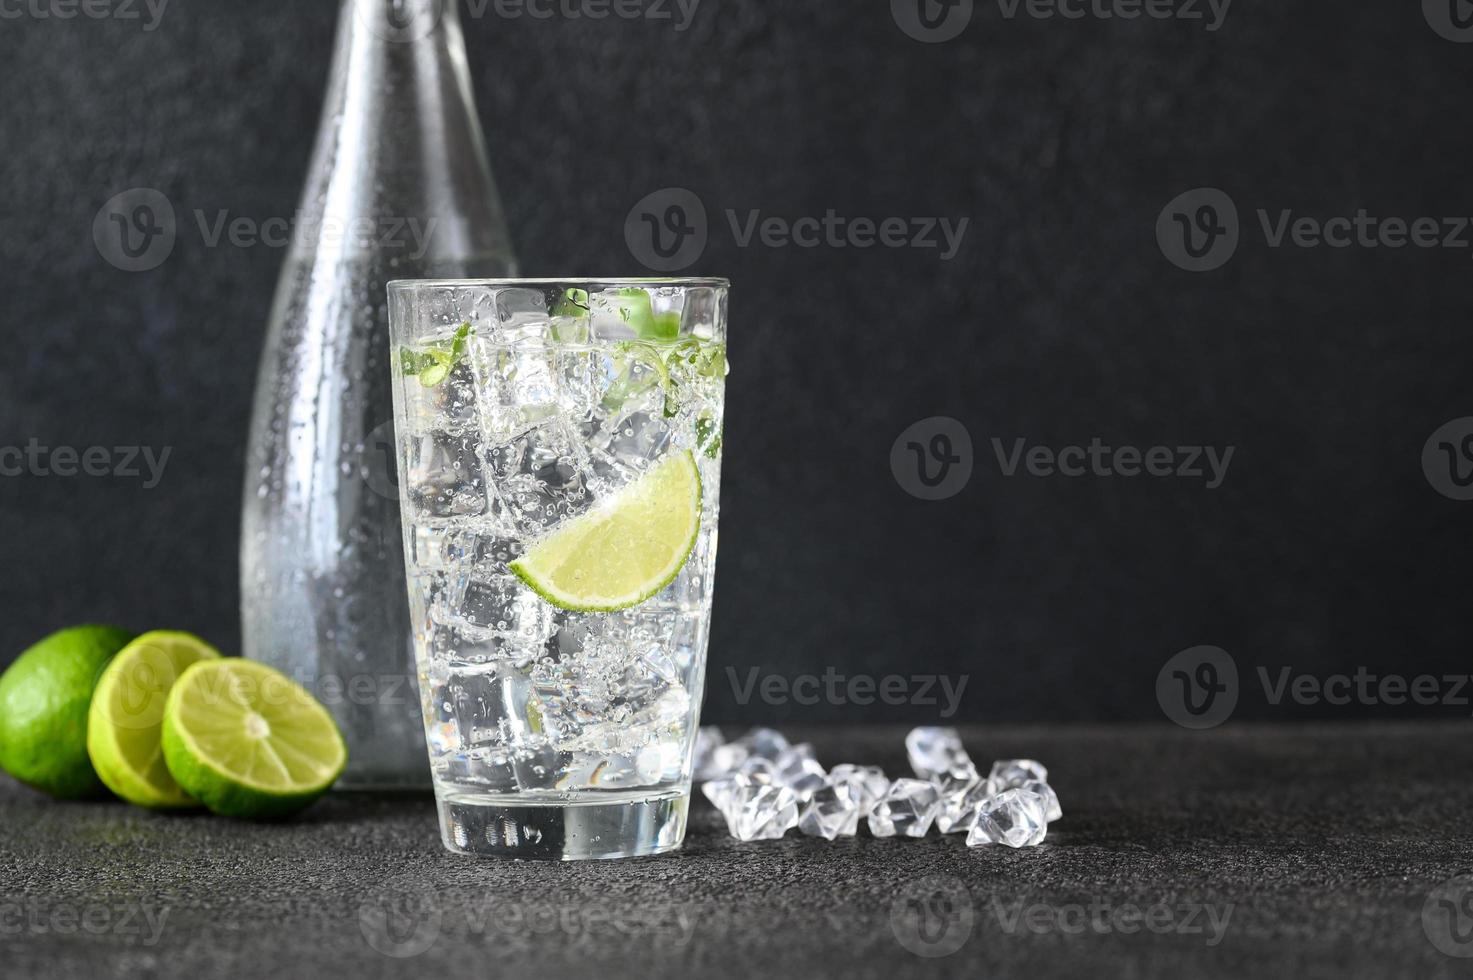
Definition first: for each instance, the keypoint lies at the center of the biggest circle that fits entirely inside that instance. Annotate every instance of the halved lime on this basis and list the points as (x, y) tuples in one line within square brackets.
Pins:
[(625, 550), (247, 741), (125, 723)]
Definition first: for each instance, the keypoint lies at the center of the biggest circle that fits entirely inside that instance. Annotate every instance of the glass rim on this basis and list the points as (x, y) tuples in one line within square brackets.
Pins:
[(686, 282)]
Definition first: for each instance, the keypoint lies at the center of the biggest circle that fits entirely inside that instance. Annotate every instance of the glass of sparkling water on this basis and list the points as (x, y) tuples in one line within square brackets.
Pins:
[(559, 460)]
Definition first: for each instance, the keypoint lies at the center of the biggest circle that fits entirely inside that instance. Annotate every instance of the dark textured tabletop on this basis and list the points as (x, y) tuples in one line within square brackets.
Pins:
[(1329, 851)]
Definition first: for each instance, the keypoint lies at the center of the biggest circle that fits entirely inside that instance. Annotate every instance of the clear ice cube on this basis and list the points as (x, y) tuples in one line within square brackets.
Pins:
[(1013, 818), (962, 792), (765, 742), (1051, 809), (708, 740), (1012, 773), (869, 781), (933, 752), (520, 385), (833, 810), (797, 769), (907, 810), (539, 477), (500, 604), (445, 477), (760, 810), (451, 403)]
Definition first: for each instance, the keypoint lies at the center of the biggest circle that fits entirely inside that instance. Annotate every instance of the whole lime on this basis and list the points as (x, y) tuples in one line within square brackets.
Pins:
[(44, 699)]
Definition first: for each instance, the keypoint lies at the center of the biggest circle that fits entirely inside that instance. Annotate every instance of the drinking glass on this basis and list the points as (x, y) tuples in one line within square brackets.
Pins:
[(559, 459)]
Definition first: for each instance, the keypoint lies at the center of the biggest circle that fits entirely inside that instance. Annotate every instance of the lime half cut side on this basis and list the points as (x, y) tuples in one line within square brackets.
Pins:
[(248, 742), (626, 549), (125, 722)]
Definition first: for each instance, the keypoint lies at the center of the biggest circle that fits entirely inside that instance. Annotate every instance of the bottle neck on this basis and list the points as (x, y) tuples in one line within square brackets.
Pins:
[(400, 143)]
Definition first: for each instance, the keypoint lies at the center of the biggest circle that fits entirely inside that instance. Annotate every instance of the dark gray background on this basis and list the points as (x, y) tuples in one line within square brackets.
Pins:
[(1059, 321)]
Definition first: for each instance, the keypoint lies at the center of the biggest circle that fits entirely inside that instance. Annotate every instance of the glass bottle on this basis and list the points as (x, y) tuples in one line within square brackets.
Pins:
[(399, 187)]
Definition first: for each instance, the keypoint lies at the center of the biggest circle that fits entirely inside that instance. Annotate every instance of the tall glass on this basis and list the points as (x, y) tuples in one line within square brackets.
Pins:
[(560, 472)]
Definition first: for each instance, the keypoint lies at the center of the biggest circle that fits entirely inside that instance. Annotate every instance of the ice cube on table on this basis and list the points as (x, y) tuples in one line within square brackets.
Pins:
[(758, 809), (833, 810), (1051, 809), (908, 809), (766, 742), (708, 740), (933, 752), (728, 758), (1012, 773), (962, 792), (719, 791), (797, 769), (1013, 818), (870, 781)]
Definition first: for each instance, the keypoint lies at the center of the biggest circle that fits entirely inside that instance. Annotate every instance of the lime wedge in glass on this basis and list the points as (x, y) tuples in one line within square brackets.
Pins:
[(125, 722), (247, 741), (626, 549), (433, 364)]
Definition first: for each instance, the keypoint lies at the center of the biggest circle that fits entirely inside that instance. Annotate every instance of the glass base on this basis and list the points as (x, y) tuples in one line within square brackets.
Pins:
[(607, 827)]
